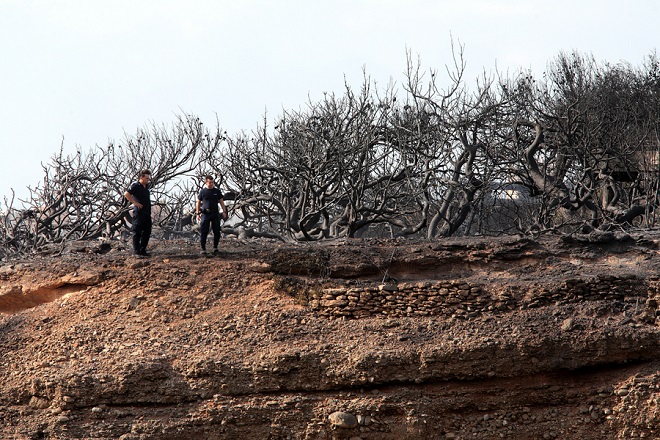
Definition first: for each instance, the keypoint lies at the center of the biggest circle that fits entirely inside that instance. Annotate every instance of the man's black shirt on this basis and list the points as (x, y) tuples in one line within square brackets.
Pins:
[(210, 199), (141, 194)]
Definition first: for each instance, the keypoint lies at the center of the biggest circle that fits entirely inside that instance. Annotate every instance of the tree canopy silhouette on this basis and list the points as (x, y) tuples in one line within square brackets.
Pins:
[(573, 150)]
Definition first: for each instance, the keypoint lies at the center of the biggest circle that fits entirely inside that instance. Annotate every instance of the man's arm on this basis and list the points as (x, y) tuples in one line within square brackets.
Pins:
[(224, 209), (133, 200), (197, 206)]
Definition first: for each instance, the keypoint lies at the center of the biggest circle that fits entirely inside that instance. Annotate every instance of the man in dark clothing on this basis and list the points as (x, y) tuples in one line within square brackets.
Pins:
[(138, 195), (208, 211)]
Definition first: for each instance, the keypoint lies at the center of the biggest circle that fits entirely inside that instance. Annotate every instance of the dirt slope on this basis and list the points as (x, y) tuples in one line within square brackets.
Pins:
[(102, 345)]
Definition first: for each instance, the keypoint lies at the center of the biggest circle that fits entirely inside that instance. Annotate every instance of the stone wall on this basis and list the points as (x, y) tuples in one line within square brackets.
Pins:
[(462, 299)]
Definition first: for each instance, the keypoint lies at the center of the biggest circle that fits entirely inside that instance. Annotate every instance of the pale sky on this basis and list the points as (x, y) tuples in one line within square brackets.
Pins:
[(79, 73)]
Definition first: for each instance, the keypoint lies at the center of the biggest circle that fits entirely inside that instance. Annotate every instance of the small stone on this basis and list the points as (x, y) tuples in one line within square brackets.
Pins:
[(137, 264), (364, 420), (343, 420), (567, 325), (389, 287), (261, 267), (39, 402)]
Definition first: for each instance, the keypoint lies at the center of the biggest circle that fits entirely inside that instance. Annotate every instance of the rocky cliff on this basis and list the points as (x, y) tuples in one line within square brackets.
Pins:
[(481, 338)]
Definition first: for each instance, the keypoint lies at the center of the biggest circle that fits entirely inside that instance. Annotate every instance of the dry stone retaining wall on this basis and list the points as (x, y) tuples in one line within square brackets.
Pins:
[(462, 299)]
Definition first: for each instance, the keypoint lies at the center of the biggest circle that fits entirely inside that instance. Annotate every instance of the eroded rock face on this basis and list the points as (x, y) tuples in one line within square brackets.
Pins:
[(519, 339), (17, 297)]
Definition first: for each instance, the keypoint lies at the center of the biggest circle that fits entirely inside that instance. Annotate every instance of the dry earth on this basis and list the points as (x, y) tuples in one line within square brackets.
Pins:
[(97, 344)]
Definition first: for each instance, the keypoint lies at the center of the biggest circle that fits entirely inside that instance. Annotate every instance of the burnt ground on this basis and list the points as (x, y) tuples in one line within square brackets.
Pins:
[(97, 344)]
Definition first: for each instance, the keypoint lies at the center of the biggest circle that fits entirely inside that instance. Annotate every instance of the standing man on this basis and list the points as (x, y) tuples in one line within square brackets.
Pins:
[(138, 195), (208, 211)]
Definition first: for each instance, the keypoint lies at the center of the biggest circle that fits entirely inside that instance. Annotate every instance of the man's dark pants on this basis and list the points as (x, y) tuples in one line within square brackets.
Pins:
[(210, 220), (141, 232)]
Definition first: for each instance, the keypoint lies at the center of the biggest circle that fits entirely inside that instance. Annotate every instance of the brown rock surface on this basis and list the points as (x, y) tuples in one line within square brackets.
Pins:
[(182, 347)]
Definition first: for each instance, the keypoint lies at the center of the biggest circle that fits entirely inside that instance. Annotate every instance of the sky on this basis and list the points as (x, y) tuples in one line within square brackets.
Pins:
[(75, 74)]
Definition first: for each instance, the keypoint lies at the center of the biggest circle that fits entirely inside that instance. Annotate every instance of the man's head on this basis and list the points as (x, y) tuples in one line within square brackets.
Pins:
[(209, 182), (145, 176)]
